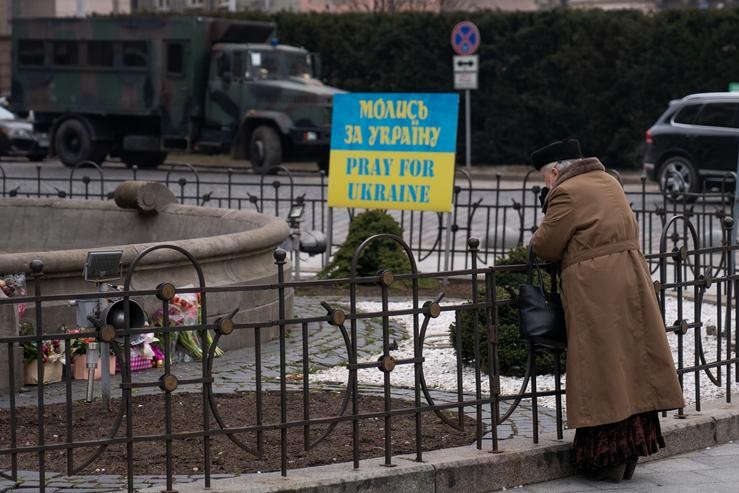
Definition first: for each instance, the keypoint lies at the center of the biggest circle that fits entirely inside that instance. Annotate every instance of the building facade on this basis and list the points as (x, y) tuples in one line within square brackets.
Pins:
[(47, 8), (643, 5)]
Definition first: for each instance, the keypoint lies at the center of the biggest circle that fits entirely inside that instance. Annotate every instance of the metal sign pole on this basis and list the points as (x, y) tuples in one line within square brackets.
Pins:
[(735, 213), (448, 244), (104, 359), (467, 129)]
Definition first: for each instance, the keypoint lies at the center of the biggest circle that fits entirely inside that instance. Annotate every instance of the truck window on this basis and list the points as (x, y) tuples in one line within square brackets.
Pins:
[(299, 65), (237, 63), (135, 54), (65, 53), (222, 65), (100, 53), (30, 52), (175, 58), (265, 65)]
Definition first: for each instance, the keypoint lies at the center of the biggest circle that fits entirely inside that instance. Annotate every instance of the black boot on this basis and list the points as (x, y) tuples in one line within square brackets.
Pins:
[(630, 467), (613, 474)]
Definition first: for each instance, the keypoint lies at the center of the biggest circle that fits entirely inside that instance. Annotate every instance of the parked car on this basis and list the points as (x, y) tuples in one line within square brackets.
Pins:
[(17, 138), (694, 143)]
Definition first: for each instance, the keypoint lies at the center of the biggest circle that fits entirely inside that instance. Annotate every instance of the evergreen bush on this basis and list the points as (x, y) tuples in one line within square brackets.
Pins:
[(380, 254), (512, 352)]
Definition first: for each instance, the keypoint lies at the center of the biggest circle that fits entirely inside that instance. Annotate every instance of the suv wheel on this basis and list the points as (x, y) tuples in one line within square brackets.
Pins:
[(678, 176)]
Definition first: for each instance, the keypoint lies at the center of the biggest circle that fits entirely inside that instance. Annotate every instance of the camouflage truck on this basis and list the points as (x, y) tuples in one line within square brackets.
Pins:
[(139, 86)]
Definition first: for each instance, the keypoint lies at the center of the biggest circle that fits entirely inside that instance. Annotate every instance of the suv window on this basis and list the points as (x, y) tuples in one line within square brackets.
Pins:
[(718, 115), (687, 114)]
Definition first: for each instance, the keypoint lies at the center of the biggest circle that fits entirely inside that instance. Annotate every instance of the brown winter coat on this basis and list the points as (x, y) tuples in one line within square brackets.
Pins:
[(618, 360)]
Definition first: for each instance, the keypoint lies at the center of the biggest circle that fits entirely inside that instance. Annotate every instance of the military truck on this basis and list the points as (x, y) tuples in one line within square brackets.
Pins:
[(137, 87)]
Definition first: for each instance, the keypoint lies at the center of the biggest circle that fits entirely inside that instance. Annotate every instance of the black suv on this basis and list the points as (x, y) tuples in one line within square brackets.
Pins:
[(694, 141)]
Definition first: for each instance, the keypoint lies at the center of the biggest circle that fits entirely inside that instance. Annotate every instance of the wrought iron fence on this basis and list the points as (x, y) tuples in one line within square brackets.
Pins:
[(503, 214), (680, 270)]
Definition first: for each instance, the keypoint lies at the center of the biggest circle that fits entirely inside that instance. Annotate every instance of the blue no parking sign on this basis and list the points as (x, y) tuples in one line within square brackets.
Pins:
[(465, 38)]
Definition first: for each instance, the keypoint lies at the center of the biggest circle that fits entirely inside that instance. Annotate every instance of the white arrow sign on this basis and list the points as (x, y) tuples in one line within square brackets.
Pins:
[(465, 63)]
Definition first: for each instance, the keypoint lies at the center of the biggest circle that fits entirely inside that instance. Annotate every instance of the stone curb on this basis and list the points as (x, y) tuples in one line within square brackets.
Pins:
[(466, 469)]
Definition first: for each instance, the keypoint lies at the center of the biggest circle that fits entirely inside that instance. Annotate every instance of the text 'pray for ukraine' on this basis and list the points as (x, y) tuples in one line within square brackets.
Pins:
[(393, 151)]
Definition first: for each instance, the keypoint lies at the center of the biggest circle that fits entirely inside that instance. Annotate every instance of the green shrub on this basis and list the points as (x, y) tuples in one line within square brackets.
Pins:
[(512, 352), (380, 254), (604, 76)]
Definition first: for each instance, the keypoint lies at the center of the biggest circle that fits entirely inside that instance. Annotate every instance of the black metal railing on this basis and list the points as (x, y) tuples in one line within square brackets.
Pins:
[(680, 270), (502, 215)]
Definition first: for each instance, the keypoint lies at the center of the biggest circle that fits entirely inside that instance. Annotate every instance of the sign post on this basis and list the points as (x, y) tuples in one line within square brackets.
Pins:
[(465, 42)]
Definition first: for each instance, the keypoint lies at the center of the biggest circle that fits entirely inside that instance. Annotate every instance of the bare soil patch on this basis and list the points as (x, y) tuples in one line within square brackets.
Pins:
[(93, 422)]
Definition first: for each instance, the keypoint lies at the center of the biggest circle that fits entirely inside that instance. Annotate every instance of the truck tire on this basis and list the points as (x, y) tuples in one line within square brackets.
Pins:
[(265, 149), (73, 144), (143, 159)]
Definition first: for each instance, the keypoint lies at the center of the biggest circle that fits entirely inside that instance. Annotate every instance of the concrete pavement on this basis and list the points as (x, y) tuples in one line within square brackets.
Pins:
[(711, 469)]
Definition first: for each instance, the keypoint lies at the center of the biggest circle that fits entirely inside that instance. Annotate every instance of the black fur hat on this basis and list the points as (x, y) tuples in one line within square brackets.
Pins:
[(556, 151)]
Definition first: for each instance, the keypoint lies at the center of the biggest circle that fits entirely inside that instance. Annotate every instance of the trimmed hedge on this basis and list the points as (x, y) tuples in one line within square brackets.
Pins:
[(381, 254), (603, 76)]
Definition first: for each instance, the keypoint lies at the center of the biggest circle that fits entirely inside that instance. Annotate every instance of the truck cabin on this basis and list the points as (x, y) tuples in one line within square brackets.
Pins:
[(263, 62)]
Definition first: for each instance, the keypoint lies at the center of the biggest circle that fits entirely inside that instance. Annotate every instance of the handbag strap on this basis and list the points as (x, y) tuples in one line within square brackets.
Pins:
[(533, 262)]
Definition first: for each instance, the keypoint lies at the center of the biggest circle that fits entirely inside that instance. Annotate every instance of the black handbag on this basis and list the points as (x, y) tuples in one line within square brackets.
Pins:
[(541, 316)]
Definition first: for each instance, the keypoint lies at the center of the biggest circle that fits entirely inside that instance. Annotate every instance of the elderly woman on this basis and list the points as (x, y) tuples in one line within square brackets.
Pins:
[(620, 370)]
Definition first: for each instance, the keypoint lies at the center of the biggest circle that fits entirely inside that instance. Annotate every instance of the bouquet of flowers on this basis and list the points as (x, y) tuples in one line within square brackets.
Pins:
[(184, 310), (51, 350), (78, 345)]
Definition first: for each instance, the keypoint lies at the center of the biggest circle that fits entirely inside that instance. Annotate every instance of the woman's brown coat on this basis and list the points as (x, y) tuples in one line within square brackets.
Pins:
[(618, 360)]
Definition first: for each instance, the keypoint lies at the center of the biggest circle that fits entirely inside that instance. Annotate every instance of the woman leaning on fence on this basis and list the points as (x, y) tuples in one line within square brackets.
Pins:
[(620, 370)]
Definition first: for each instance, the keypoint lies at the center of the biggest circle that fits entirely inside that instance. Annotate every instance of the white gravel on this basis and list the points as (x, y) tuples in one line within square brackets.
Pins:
[(441, 361)]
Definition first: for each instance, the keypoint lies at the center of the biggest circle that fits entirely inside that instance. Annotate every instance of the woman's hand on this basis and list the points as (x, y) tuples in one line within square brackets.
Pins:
[(543, 199)]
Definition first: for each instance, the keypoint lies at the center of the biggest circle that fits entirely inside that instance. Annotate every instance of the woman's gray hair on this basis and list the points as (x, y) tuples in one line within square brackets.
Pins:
[(563, 165), (560, 165)]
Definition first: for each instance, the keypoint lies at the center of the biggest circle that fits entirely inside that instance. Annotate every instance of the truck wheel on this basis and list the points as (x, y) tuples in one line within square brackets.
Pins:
[(73, 144), (265, 149), (143, 159)]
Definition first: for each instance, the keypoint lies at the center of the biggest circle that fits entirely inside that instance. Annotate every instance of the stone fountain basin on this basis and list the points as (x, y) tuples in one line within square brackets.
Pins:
[(232, 247)]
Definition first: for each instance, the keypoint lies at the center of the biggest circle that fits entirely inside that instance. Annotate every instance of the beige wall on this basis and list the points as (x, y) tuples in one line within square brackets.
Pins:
[(5, 17), (4, 65), (65, 8), (4, 46), (643, 5), (36, 8)]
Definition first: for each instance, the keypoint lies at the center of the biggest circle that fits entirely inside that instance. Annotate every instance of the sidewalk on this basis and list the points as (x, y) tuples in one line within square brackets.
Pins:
[(712, 469)]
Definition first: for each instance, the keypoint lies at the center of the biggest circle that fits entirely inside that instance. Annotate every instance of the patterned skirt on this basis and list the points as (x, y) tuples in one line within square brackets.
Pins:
[(615, 443)]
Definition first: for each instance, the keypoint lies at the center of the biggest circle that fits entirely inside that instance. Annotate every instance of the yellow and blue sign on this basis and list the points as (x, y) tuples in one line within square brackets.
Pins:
[(393, 151)]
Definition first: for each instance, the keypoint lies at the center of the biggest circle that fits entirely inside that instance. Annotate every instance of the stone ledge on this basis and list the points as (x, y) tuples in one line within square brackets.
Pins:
[(466, 469)]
